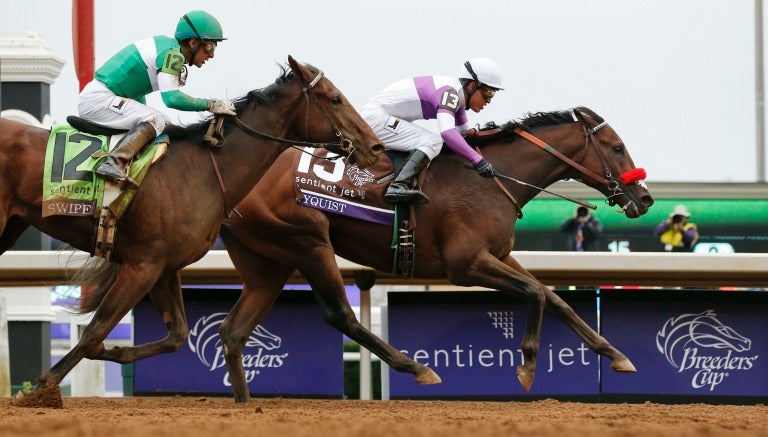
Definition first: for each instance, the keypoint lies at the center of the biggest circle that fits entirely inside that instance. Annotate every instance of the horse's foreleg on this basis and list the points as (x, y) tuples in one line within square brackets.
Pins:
[(263, 280), (131, 285), (252, 307), (167, 299), (558, 308), (328, 285), (511, 278)]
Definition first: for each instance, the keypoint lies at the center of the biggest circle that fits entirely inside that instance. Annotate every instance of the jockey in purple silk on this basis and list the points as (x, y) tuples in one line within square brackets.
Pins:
[(391, 112)]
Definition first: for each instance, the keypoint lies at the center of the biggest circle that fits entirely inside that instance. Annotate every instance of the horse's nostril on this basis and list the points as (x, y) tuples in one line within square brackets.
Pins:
[(377, 149), (647, 200)]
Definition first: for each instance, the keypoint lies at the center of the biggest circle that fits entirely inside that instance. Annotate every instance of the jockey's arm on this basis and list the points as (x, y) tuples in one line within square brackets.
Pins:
[(463, 128), (452, 137), (169, 85)]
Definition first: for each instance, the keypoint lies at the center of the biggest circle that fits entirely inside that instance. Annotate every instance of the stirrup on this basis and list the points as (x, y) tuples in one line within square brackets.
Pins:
[(407, 196), (127, 183), (122, 180)]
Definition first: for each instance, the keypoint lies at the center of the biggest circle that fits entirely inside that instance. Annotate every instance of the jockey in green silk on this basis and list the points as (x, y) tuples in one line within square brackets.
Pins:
[(116, 97)]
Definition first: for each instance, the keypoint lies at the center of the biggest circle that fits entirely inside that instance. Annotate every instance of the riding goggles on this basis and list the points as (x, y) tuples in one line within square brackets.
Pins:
[(487, 92), (209, 47)]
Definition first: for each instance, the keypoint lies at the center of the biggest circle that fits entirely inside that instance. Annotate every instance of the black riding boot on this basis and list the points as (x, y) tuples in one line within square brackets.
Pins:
[(113, 168), (405, 188)]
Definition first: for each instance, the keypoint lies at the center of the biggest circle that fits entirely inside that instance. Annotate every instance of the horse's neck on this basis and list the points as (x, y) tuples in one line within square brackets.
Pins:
[(529, 163), (245, 157)]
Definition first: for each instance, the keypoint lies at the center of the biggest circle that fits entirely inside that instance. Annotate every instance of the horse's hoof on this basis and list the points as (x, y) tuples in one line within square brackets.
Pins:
[(239, 399), (525, 378), (44, 396), (623, 365), (428, 377)]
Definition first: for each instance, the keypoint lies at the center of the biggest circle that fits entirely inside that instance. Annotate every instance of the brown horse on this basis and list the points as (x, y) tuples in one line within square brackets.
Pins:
[(465, 234), (177, 212)]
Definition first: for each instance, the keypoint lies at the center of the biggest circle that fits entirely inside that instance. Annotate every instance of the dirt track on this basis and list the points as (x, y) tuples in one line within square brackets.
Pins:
[(198, 416)]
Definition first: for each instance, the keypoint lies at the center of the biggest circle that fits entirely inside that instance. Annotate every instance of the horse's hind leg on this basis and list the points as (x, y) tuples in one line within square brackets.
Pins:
[(132, 283), (558, 308), (323, 274), (167, 299)]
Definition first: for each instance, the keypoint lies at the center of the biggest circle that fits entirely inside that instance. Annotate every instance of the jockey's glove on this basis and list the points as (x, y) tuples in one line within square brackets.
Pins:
[(224, 107), (484, 169)]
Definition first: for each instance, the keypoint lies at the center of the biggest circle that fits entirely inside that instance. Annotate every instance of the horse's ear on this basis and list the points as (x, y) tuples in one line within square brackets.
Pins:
[(297, 68)]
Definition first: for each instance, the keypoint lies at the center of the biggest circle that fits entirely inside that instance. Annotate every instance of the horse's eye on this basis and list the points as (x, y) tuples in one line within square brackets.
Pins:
[(336, 101), (618, 149)]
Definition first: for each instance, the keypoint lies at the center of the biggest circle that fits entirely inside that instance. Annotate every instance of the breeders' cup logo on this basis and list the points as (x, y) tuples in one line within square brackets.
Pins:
[(358, 176), (701, 344), (204, 341)]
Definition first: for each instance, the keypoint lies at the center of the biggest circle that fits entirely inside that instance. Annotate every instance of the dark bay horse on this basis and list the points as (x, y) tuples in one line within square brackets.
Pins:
[(465, 234), (178, 210)]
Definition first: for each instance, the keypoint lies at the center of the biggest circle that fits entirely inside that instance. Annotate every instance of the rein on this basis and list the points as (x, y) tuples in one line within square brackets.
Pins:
[(590, 134), (546, 147), (509, 195), (215, 137), (344, 143), (635, 175)]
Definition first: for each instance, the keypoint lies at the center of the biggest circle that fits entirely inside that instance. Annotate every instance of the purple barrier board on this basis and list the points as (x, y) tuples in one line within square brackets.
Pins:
[(293, 352), (472, 340), (688, 342)]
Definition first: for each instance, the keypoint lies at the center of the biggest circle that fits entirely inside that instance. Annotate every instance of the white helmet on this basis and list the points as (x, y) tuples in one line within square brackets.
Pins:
[(482, 70)]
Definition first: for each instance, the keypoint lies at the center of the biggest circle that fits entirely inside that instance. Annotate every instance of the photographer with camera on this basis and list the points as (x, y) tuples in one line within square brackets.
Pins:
[(583, 231), (676, 234)]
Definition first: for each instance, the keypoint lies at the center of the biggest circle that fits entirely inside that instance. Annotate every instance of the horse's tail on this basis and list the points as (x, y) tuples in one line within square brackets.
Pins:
[(95, 278)]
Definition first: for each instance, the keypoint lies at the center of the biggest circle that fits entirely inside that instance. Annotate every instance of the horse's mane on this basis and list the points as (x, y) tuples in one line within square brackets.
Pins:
[(258, 97), (531, 122)]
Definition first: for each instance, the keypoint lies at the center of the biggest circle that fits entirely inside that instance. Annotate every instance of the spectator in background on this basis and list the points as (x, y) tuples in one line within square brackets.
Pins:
[(676, 234), (583, 231)]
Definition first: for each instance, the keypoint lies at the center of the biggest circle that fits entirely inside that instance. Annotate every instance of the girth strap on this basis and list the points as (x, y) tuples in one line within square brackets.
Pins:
[(227, 210)]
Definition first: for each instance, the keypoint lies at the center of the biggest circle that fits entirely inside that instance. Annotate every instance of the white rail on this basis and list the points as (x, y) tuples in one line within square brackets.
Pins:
[(28, 268)]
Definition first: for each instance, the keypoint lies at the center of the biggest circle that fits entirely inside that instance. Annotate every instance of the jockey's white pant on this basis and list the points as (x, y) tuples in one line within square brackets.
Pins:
[(399, 134), (100, 105)]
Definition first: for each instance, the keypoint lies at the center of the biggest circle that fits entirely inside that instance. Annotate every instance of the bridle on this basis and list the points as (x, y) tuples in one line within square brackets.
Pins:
[(344, 144), (215, 136), (613, 183)]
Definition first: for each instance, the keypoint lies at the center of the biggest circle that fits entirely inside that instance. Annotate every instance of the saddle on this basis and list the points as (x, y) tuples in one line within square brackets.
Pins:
[(91, 127), (359, 194), (70, 187)]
